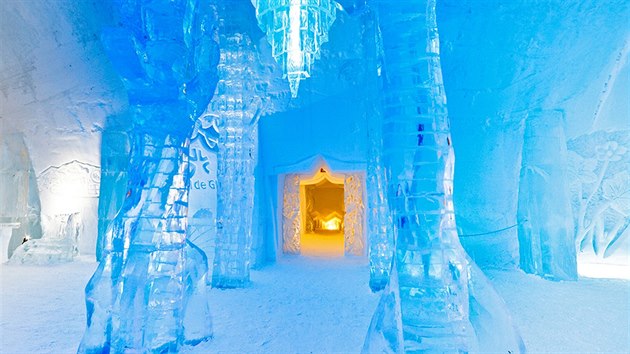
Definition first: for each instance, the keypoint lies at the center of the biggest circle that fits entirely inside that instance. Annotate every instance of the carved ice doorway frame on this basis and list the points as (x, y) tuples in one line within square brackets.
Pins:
[(354, 217)]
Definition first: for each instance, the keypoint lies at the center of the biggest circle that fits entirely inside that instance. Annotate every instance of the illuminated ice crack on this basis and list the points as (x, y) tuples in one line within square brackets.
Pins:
[(296, 29)]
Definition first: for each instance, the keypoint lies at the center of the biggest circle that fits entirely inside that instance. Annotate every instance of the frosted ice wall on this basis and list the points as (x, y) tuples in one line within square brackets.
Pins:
[(501, 63), (139, 295), (57, 88)]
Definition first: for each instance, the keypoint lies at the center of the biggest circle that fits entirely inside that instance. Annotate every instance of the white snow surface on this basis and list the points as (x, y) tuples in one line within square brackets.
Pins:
[(313, 305)]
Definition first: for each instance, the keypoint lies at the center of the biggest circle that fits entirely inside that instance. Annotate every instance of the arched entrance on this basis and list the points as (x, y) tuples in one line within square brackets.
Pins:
[(323, 213)]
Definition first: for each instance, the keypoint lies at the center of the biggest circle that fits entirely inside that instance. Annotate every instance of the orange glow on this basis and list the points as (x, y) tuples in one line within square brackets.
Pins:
[(333, 224), (322, 209)]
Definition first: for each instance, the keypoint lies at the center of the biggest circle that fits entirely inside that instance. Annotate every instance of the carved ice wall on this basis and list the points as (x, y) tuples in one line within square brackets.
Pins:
[(599, 165)]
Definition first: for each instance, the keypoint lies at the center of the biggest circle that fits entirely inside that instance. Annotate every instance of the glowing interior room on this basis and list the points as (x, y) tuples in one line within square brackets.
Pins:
[(319, 176)]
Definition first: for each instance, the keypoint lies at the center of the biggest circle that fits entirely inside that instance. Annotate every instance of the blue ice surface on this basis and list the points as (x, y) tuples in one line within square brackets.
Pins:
[(165, 55), (437, 300)]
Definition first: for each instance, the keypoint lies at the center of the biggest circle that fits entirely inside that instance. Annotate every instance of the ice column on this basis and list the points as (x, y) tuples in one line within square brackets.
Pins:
[(237, 107), (379, 219), (545, 232), (137, 300), (430, 265)]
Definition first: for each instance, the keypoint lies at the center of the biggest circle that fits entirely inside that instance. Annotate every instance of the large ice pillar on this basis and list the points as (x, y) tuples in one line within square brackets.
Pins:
[(237, 108), (431, 279), (545, 232), (137, 298)]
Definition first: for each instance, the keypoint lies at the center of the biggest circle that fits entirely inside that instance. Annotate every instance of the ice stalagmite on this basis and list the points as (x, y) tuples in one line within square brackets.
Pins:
[(430, 281), (237, 108), (137, 298)]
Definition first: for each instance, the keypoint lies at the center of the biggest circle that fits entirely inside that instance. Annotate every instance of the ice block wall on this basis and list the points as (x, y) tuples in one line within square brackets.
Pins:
[(236, 105), (137, 298)]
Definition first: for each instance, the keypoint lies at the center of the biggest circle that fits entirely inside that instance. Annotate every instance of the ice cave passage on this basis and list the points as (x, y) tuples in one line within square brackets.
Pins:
[(173, 148)]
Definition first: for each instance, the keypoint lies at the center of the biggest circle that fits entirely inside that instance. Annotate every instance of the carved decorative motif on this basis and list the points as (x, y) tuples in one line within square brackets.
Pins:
[(600, 186), (291, 216), (353, 220), (82, 178)]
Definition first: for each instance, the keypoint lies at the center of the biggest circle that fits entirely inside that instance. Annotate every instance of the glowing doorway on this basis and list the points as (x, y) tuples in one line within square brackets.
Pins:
[(323, 211), (323, 214)]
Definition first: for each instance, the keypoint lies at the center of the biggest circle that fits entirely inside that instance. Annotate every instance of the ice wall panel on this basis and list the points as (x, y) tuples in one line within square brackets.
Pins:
[(549, 57), (57, 87)]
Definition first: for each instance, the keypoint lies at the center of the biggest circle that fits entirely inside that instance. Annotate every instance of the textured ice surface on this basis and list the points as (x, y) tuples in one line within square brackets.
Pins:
[(202, 198), (58, 245), (137, 300), (432, 270), (546, 232), (237, 109), (379, 219), (19, 197), (296, 30)]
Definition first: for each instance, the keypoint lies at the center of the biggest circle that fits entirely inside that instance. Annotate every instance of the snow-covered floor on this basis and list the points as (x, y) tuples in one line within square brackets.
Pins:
[(311, 305)]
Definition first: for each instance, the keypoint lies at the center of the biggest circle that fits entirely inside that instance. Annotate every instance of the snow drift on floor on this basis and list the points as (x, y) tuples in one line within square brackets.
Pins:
[(314, 305)]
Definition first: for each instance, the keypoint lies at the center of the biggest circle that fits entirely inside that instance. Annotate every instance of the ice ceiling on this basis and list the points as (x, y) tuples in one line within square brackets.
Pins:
[(537, 101)]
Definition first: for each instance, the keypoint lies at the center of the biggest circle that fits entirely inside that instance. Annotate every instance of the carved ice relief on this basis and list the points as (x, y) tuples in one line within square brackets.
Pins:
[(600, 185)]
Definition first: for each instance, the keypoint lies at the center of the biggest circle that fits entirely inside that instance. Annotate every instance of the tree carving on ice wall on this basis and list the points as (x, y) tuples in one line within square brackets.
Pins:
[(599, 165)]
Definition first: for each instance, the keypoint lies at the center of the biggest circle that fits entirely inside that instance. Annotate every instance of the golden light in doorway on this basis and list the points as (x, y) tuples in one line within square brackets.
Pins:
[(333, 224)]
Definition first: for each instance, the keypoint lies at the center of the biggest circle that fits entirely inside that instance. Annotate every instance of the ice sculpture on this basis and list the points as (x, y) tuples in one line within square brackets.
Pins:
[(237, 108), (137, 300), (431, 281), (18, 189), (599, 180), (56, 246), (545, 232), (296, 30)]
